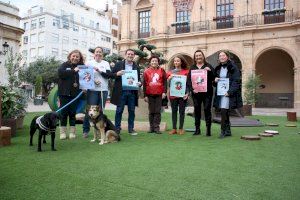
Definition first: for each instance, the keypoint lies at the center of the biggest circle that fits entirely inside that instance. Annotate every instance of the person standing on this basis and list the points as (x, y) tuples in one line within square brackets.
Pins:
[(121, 97), (68, 89), (200, 98), (233, 97), (155, 88), (179, 68), (97, 96)]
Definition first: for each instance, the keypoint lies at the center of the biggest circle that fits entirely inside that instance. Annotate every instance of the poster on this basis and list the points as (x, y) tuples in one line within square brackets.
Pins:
[(130, 80), (86, 77), (223, 86), (199, 80), (178, 86)]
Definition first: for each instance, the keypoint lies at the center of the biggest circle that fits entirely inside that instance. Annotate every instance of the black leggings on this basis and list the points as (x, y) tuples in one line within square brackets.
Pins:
[(175, 103), (69, 111), (206, 99)]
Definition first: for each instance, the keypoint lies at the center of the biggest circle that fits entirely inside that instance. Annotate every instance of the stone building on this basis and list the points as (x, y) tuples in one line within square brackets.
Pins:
[(263, 37)]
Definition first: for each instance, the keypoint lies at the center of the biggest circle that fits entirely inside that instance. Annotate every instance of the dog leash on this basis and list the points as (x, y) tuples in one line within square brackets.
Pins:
[(60, 109)]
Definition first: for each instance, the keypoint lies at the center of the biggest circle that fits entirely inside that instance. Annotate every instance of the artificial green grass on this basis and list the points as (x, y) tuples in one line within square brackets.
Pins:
[(151, 166)]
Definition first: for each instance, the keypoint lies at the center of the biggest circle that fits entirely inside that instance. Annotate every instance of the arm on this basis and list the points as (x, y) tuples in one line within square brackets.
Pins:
[(64, 72), (235, 81), (189, 82)]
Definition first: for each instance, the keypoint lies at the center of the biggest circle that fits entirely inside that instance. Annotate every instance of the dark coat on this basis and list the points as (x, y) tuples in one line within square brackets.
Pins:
[(235, 91), (210, 78), (117, 90), (66, 78)]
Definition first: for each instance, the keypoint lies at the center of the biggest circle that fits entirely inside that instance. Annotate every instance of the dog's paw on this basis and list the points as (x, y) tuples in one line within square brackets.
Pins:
[(93, 140)]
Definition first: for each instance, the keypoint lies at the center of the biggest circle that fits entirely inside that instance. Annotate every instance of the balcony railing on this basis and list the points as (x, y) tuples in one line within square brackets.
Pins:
[(234, 22)]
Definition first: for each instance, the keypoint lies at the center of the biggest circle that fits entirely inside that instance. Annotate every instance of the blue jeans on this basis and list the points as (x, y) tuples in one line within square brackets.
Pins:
[(93, 98), (127, 98)]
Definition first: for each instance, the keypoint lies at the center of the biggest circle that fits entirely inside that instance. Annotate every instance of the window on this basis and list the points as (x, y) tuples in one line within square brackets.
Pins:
[(92, 23), (33, 53), (115, 45), (65, 22), (75, 42), (84, 31), (82, 20), (274, 11), (65, 40), (114, 33), (41, 22), (97, 25), (26, 26), (56, 22), (41, 51), (114, 21), (75, 28), (54, 52), (182, 21), (105, 38), (25, 40), (55, 37), (41, 37), (33, 24), (224, 17), (24, 53), (33, 38), (144, 24), (83, 43)]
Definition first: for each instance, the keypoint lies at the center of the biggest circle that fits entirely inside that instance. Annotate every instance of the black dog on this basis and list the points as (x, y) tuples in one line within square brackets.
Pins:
[(46, 124)]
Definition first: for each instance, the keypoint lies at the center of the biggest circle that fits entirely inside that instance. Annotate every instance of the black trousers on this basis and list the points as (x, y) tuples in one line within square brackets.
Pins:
[(206, 100), (225, 121), (154, 106), (69, 111), (175, 104)]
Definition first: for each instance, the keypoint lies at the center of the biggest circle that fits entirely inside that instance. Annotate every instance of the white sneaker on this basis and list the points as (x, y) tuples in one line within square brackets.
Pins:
[(132, 133)]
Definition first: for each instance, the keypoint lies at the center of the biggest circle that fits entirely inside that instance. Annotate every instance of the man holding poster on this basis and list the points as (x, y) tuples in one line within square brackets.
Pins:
[(125, 91), (200, 79)]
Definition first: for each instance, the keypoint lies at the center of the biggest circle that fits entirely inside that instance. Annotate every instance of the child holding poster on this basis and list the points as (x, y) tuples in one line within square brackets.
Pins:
[(200, 80), (178, 72)]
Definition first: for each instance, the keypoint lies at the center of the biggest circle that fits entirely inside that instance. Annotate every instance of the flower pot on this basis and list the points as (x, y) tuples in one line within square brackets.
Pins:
[(5, 136), (12, 123), (38, 101), (247, 110), (291, 116), (20, 121)]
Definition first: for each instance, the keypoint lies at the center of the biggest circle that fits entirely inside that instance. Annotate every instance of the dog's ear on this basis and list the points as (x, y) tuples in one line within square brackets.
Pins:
[(100, 109), (88, 108)]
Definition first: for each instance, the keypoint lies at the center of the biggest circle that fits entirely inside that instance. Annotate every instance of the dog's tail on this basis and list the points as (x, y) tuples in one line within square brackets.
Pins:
[(33, 125)]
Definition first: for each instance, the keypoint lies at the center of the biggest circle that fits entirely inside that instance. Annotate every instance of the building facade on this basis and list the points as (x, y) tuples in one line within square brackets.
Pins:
[(263, 37), (55, 28), (10, 35)]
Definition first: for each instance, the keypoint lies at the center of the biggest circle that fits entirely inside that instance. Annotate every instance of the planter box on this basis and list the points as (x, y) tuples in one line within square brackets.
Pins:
[(5, 136), (291, 116), (19, 122), (247, 110), (12, 123)]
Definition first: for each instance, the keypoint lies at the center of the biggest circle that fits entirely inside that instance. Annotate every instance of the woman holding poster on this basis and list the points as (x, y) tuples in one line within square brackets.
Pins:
[(178, 95), (98, 95), (68, 89), (155, 88), (228, 93), (200, 84)]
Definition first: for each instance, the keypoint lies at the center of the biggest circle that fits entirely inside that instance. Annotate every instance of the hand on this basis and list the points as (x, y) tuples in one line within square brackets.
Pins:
[(164, 95), (84, 91), (207, 69), (170, 77), (120, 73), (186, 96), (76, 69), (96, 69), (146, 99), (226, 94), (217, 79), (195, 91), (139, 84)]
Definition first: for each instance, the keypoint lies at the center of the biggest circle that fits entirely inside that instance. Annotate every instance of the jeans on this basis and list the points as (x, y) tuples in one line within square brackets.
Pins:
[(127, 98), (93, 98), (175, 104)]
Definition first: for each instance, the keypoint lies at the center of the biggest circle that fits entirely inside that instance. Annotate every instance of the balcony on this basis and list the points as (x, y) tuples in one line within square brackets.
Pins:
[(232, 22)]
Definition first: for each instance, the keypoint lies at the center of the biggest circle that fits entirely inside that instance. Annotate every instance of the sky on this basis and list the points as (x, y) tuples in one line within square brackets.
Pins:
[(24, 5)]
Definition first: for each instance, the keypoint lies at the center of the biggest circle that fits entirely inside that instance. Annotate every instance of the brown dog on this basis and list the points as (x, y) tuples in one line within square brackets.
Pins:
[(104, 128)]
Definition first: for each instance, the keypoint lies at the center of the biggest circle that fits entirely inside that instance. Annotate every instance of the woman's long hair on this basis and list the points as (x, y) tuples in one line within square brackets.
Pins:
[(183, 62), (205, 62), (81, 60)]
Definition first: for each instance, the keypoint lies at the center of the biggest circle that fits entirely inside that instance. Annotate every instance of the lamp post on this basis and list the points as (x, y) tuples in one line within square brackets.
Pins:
[(5, 49)]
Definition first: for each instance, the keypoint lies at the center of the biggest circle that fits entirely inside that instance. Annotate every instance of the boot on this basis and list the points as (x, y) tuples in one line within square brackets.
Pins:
[(72, 134), (197, 131), (173, 131), (63, 130), (208, 130), (181, 132), (227, 130)]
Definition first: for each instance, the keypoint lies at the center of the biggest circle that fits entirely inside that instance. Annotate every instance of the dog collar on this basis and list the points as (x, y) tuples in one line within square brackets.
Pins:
[(42, 126)]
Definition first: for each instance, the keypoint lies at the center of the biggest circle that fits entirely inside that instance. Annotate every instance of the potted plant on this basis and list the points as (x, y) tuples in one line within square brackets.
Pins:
[(251, 95), (21, 106), (38, 100)]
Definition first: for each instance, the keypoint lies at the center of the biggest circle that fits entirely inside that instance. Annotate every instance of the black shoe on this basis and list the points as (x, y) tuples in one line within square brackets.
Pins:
[(197, 131), (208, 132), (222, 135), (150, 131), (157, 132)]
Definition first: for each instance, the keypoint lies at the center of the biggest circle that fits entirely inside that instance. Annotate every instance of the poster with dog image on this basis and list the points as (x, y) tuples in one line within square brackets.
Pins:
[(223, 86), (130, 80), (86, 77), (178, 86), (199, 80)]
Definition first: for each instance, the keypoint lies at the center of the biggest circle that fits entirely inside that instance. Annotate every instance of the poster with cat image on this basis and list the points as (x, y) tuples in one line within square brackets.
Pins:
[(199, 80), (86, 77), (130, 80)]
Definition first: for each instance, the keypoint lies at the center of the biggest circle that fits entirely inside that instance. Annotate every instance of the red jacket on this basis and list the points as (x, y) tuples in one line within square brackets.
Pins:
[(154, 81), (181, 72)]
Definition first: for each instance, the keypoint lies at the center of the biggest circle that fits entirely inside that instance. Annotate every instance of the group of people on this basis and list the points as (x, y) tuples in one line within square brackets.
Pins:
[(156, 84)]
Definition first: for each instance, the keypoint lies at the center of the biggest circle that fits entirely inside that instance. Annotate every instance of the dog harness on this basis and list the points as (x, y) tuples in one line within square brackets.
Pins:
[(42, 126)]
